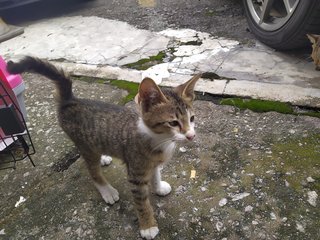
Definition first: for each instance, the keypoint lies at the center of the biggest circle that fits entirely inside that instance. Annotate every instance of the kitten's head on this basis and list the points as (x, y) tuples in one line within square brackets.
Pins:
[(315, 40), (168, 112)]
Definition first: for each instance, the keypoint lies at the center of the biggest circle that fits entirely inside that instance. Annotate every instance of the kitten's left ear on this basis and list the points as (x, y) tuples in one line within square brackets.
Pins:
[(313, 38), (186, 90), (149, 94)]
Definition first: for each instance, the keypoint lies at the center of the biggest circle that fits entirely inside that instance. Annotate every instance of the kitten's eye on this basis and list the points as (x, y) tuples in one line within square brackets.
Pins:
[(192, 119), (174, 123)]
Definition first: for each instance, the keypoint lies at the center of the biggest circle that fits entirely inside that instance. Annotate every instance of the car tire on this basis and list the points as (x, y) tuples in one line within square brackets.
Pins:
[(292, 34)]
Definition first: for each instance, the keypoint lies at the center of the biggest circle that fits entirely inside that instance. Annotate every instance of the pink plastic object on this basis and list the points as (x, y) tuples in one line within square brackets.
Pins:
[(13, 80), (8, 82)]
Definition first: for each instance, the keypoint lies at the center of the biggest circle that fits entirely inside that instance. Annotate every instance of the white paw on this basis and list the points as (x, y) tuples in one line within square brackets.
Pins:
[(109, 194), (149, 233), (105, 160), (163, 188)]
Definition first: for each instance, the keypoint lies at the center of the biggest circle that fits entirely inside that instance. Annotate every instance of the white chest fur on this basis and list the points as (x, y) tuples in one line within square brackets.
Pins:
[(160, 142)]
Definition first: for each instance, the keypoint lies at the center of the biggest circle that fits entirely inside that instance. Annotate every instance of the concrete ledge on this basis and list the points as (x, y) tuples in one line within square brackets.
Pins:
[(309, 97)]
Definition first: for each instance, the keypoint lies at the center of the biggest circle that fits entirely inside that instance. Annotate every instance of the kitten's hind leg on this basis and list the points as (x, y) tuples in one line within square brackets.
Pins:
[(161, 188), (108, 193), (105, 160)]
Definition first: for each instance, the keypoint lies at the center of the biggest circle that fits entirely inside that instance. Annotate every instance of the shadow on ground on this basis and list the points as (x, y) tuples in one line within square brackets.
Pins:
[(257, 177)]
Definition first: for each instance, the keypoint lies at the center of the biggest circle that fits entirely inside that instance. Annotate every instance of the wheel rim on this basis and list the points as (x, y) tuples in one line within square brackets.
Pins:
[(271, 15)]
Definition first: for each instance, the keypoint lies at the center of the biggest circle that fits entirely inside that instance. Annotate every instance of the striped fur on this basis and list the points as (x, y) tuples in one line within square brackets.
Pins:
[(144, 140)]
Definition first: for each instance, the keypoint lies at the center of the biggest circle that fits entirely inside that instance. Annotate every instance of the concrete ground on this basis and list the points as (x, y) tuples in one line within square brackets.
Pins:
[(257, 174), (257, 177)]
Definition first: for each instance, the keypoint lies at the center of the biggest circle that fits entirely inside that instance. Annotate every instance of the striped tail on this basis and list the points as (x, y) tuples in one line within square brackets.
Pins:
[(31, 64)]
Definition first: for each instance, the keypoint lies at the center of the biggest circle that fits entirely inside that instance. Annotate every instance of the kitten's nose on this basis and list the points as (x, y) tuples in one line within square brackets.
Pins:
[(190, 137)]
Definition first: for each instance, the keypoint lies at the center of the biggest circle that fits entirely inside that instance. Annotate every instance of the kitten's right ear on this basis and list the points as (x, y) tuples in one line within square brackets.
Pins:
[(186, 90), (313, 38), (149, 94)]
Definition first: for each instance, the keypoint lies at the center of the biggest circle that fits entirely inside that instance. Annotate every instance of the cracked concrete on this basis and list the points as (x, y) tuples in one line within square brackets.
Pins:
[(86, 44)]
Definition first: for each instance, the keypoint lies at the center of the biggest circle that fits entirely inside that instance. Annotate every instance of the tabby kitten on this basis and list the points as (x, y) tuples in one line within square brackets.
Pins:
[(315, 40), (144, 140)]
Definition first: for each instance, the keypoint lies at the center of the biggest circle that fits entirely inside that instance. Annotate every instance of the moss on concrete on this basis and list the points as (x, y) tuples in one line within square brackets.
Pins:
[(146, 63), (311, 114), (258, 105), (89, 79), (299, 159), (280, 178), (292, 160), (131, 87)]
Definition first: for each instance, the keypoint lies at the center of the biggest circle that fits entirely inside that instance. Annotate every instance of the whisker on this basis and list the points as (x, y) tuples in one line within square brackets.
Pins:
[(162, 143)]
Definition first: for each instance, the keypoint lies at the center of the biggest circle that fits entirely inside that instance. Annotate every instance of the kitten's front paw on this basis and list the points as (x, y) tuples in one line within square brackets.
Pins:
[(163, 188), (149, 233), (105, 160)]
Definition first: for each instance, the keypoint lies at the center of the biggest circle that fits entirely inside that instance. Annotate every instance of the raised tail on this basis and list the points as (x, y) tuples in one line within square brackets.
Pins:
[(31, 64)]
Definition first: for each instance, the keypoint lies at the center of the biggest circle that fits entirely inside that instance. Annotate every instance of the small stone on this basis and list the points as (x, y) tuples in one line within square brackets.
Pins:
[(21, 200), (26, 174), (223, 202), (2, 232), (239, 196), (273, 216), (312, 198), (203, 189), (254, 222), (219, 226), (292, 131), (310, 180), (299, 227), (105, 160), (248, 208), (68, 229), (286, 183), (162, 214), (284, 219), (182, 149)]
